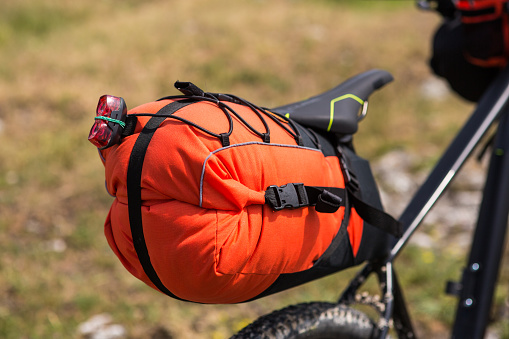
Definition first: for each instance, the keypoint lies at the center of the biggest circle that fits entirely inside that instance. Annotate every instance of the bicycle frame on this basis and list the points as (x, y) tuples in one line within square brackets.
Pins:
[(479, 278)]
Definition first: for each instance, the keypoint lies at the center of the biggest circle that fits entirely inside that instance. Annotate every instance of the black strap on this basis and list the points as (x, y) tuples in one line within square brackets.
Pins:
[(373, 215), (134, 191), (130, 125), (328, 200)]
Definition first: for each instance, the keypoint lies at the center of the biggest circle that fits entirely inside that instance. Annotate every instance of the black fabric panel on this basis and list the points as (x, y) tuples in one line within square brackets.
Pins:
[(313, 139), (375, 243)]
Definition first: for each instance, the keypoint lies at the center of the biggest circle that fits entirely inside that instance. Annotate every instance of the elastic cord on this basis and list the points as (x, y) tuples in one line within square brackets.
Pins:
[(120, 122)]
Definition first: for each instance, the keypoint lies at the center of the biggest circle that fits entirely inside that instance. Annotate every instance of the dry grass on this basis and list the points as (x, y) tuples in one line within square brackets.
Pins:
[(58, 57)]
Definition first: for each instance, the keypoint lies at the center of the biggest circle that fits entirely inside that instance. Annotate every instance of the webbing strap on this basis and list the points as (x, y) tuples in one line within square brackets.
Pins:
[(130, 125), (374, 216), (134, 191), (328, 200)]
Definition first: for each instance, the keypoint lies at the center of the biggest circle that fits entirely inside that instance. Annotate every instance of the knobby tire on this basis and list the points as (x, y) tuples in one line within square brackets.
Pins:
[(316, 320)]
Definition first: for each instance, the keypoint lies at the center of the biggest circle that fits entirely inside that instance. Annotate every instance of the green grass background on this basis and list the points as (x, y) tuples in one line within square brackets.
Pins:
[(58, 56)]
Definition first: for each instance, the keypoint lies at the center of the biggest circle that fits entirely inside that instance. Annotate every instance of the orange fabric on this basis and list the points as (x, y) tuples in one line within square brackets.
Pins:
[(209, 234), (355, 228)]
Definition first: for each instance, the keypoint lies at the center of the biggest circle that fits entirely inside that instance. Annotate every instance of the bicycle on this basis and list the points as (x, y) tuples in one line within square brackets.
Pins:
[(476, 288)]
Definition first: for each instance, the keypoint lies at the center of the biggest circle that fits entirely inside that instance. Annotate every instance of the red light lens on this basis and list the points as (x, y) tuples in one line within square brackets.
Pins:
[(108, 104), (101, 134)]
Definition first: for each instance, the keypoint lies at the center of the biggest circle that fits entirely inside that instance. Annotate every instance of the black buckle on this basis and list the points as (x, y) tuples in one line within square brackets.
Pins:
[(289, 196), (350, 179)]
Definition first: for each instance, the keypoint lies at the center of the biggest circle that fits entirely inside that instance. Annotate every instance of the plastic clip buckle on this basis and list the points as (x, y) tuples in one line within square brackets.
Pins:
[(352, 182), (289, 196), (350, 178)]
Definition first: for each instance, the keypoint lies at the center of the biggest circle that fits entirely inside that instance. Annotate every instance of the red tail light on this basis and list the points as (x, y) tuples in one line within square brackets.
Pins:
[(109, 121)]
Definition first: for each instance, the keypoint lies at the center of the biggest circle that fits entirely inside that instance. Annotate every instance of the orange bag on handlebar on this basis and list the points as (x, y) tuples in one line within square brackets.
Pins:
[(486, 31)]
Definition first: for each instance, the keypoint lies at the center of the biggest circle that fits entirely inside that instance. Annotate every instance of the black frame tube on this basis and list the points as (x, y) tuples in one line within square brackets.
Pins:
[(480, 276)]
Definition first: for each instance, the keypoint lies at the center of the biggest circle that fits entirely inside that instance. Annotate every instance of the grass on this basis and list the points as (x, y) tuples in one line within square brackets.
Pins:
[(58, 57)]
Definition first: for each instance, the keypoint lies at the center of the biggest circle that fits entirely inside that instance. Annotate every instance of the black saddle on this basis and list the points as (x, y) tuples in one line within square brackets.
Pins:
[(339, 109)]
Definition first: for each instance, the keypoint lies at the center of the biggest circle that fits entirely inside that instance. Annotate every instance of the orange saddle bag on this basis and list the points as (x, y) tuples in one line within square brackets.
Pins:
[(220, 201)]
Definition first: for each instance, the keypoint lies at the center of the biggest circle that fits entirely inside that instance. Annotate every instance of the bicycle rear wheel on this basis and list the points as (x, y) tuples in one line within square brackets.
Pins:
[(317, 320)]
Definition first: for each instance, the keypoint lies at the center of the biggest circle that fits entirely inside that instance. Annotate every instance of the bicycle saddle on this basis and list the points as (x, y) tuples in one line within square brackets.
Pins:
[(337, 110)]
